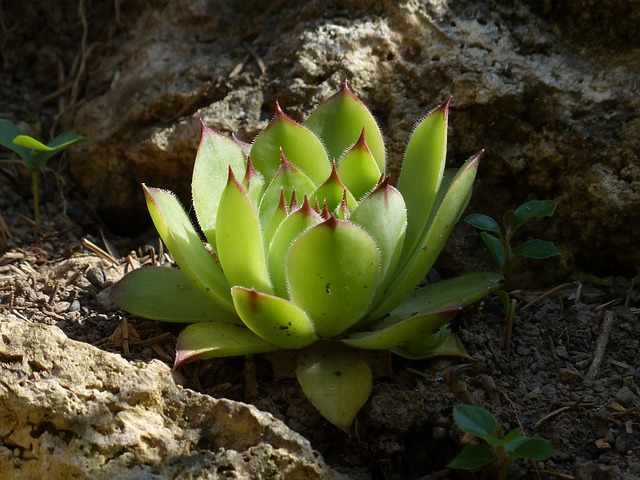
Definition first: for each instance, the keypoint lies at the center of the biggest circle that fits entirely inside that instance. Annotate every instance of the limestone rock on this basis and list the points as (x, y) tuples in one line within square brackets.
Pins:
[(69, 410), (549, 91)]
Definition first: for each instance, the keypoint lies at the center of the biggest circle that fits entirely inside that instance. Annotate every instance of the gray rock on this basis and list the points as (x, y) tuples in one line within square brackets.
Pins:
[(69, 410)]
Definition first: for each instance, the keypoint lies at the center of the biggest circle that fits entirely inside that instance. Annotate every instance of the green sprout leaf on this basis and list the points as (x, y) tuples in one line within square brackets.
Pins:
[(31, 143), (532, 209), (472, 457), (532, 448), (537, 249), (475, 420), (483, 222), (358, 168), (495, 247), (335, 381), (9, 131)]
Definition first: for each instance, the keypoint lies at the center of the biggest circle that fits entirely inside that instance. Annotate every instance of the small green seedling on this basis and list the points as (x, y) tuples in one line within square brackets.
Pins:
[(34, 153), (500, 451), (499, 242)]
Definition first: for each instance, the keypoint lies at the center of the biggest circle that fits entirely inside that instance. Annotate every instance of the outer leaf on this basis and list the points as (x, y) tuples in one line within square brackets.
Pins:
[(299, 144), (201, 341), (475, 420), (483, 222), (239, 239), (421, 174), (472, 457), (400, 334), (537, 249), (533, 448), (532, 209), (274, 319), (335, 381), (287, 232), (422, 259), (463, 290), (358, 168), (443, 343), (216, 154), (339, 121), (384, 216), (332, 270), (9, 131), (183, 241), (166, 294)]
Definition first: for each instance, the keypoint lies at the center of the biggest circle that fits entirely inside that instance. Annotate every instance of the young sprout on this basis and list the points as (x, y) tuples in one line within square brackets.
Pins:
[(35, 154)]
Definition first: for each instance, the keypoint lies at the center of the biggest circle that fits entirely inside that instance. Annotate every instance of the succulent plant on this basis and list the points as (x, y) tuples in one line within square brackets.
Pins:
[(311, 249)]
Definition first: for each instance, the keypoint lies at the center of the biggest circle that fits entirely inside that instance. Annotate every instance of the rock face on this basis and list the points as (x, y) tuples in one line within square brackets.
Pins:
[(69, 410), (549, 90)]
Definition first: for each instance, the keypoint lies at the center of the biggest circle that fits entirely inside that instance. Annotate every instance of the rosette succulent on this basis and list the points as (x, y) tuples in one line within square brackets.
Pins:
[(309, 248)]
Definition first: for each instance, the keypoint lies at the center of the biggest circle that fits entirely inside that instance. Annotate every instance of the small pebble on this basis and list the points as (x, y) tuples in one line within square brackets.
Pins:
[(625, 396), (626, 442), (75, 306), (96, 276)]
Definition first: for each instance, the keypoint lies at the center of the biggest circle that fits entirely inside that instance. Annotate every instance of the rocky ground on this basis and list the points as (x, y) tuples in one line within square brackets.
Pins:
[(570, 374)]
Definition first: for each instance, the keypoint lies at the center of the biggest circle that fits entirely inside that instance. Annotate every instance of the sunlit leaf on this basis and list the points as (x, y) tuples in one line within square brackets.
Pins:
[(239, 239), (339, 120), (204, 340), (358, 169), (532, 209), (216, 153), (332, 192), (166, 294), (332, 270), (274, 319), (299, 144), (187, 249)]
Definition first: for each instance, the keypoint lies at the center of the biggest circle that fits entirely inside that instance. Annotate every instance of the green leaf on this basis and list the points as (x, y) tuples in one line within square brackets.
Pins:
[(339, 121), (418, 264), (216, 153), (31, 143), (472, 457), (332, 191), (55, 146), (299, 144), (495, 247), (443, 343), (401, 334), (510, 437), (483, 222), (358, 169), (332, 270), (187, 249), (475, 420), (532, 209), (204, 340), (537, 249), (166, 294), (421, 174), (288, 179), (9, 131), (384, 216), (239, 239), (463, 290), (335, 381), (532, 448), (273, 319), (290, 229)]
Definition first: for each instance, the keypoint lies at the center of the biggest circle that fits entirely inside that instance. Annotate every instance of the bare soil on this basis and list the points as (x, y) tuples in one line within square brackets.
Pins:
[(571, 373)]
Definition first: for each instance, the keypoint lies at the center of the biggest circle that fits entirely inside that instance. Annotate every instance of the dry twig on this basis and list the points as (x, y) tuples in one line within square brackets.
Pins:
[(601, 345)]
